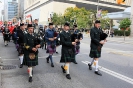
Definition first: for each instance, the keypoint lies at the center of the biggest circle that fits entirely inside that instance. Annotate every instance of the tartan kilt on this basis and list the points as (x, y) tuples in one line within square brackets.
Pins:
[(67, 58), (20, 50), (77, 50), (57, 42), (94, 53), (6, 37), (50, 50), (28, 62)]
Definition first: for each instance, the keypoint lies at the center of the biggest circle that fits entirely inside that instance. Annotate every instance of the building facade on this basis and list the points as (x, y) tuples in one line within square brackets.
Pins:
[(10, 9), (41, 9), (21, 8)]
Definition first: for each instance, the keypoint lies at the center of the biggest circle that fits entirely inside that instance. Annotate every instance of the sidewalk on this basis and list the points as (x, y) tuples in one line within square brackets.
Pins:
[(128, 40)]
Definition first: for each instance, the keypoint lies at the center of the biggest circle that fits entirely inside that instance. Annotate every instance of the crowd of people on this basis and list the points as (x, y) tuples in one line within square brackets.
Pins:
[(28, 38)]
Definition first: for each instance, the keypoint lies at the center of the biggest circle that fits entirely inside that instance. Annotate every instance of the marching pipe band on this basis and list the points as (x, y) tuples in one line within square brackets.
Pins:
[(28, 38)]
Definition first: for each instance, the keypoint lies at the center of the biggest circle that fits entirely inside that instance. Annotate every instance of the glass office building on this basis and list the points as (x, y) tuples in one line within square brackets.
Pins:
[(12, 10)]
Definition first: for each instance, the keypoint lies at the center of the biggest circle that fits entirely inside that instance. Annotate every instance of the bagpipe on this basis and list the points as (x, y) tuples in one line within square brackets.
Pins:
[(75, 36), (55, 34), (103, 36)]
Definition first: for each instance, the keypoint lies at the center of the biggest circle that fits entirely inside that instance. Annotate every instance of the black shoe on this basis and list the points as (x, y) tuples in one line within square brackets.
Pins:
[(98, 73), (7, 44), (21, 66), (47, 60), (52, 65), (90, 68), (30, 79), (68, 76), (57, 53), (32, 72), (63, 70), (75, 62)]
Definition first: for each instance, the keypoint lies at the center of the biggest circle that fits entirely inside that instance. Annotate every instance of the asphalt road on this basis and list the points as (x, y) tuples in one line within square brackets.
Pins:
[(116, 66)]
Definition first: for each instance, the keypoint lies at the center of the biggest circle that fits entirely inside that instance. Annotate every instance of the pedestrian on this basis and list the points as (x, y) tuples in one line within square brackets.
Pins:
[(6, 35), (20, 41), (45, 44), (58, 39), (96, 46), (50, 37), (68, 50), (31, 50)]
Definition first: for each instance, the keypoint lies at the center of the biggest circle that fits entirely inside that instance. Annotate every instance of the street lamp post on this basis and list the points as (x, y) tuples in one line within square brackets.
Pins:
[(98, 5)]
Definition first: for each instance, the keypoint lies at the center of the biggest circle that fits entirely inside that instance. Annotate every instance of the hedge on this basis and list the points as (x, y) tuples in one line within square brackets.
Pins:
[(121, 33)]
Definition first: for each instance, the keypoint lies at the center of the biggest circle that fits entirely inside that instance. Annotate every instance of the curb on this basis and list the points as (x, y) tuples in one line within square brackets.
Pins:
[(120, 42)]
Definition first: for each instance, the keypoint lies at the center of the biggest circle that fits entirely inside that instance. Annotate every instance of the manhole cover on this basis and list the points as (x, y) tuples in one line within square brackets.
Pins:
[(8, 67)]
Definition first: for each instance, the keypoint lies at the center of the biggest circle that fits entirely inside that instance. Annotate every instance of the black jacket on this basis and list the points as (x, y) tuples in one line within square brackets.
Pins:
[(20, 35)]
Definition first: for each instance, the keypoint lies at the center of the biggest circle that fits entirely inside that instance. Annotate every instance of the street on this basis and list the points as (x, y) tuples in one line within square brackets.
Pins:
[(116, 66)]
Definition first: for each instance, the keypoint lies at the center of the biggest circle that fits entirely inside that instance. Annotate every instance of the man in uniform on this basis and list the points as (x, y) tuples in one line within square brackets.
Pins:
[(6, 35), (68, 50), (20, 35), (96, 45), (50, 38), (79, 37), (36, 27), (31, 45)]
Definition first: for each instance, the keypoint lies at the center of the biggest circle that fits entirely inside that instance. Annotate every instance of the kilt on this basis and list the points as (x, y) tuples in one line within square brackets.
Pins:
[(6, 37), (28, 62), (50, 50), (94, 53), (57, 42), (77, 50), (20, 49), (17, 46), (67, 58)]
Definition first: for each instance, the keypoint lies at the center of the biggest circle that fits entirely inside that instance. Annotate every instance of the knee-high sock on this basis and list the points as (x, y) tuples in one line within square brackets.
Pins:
[(51, 59), (5, 42), (67, 65), (30, 71), (21, 59), (92, 62), (96, 65)]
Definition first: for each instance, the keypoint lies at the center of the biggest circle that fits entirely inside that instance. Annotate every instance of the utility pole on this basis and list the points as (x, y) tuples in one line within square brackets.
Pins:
[(5, 10)]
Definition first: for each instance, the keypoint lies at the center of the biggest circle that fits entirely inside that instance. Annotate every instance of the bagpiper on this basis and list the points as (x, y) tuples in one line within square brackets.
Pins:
[(6, 35), (77, 36), (68, 50), (97, 41), (50, 37), (31, 44), (20, 41)]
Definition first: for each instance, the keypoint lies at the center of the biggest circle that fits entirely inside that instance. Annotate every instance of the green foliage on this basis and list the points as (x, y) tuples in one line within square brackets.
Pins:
[(80, 16), (58, 19), (121, 33), (125, 23)]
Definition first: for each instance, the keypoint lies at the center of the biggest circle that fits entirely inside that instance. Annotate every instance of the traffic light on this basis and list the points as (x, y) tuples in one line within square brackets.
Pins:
[(121, 1)]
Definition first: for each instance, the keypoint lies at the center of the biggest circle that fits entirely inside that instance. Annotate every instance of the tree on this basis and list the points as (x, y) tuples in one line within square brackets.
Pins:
[(124, 24), (58, 19), (80, 16)]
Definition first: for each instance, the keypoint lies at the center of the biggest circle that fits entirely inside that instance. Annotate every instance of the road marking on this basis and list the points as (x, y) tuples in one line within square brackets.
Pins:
[(120, 53), (112, 73)]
